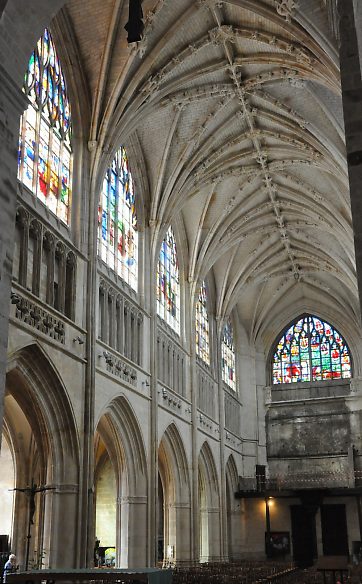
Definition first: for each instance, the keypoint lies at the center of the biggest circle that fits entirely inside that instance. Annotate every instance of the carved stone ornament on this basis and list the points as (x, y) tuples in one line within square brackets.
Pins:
[(286, 8)]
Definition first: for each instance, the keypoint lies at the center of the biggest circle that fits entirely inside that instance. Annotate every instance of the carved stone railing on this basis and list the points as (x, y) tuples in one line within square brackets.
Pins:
[(33, 315), (119, 367), (338, 479)]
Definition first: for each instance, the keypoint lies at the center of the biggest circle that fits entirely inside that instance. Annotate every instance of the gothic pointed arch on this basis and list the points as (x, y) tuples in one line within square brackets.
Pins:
[(310, 350), (173, 465), (45, 443), (130, 447), (232, 508), (119, 444), (232, 474), (35, 384), (175, 497), (208, 472), (209, 505)]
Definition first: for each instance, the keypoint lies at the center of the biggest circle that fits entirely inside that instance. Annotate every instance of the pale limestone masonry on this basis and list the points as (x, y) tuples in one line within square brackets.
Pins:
[(232, 117)]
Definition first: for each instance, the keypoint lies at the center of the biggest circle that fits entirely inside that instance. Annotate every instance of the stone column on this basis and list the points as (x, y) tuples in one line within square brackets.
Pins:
[(60, 251), (37, 233), (214, 532), (133, 532), (224, 544), (23, 220), (111, 316), (352, 107), (62, 540), (127, 330), (103, 299), (120, 324), (49, 243), (12, 104), (134, 328), (179, 530), (139, 338)]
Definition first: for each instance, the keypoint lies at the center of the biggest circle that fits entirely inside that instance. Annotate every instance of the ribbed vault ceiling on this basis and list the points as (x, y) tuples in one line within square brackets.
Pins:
[(235, 110)]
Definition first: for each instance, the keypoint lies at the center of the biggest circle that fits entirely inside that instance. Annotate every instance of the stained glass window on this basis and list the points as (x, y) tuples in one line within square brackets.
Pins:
[(202, 326), (228, 355), (45, 154), (311, 350), (168, 283), (117, 222)]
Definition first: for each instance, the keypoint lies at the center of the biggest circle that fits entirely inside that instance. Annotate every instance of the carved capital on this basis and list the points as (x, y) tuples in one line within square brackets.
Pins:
[(286, 8)]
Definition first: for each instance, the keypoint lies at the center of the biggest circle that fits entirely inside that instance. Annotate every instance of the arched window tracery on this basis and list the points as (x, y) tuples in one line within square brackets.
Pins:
[(45, 153), (168, 282), (228, 355), (202, 326), (311, 350), (117, 221)]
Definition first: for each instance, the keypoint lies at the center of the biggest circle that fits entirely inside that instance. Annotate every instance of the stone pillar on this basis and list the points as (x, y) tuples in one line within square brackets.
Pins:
[(12, 104), (49, 243), (23, 220), (120, 324), (352, 107), (139, 338), (133, 532), (62, 540), (61, 258), (37, 233), (103, 299), (127, 330), (224, 544), (134, 329), (111, 316), (214, 532), (179, 530)]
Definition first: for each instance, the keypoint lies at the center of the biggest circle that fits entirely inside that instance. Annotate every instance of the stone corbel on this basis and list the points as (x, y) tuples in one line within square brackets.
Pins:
[(268, 395), (356, 385)]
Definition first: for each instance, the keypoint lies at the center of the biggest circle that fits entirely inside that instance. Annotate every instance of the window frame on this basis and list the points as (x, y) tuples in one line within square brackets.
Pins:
[(328, 379)]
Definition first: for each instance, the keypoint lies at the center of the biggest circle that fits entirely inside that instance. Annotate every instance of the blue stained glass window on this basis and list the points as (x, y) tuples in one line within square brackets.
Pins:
[(311, 350), (117, 222), (168, 282), (228, 356), (45, 154), (202, 326)]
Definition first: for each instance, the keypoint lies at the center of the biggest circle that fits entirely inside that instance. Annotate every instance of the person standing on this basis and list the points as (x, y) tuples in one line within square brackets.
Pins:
[(10, 566)]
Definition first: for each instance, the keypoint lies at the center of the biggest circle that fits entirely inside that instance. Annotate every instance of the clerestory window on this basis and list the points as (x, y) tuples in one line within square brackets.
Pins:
[(45, 153), (168, 282), (228, 355), (117, 221), (202, 326)]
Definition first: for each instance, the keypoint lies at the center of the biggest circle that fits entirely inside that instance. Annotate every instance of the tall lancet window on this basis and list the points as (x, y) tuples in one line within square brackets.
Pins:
[(45, 153), (311, 350), (168, 282), (202, 326), (117, 222), (228, 356)]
